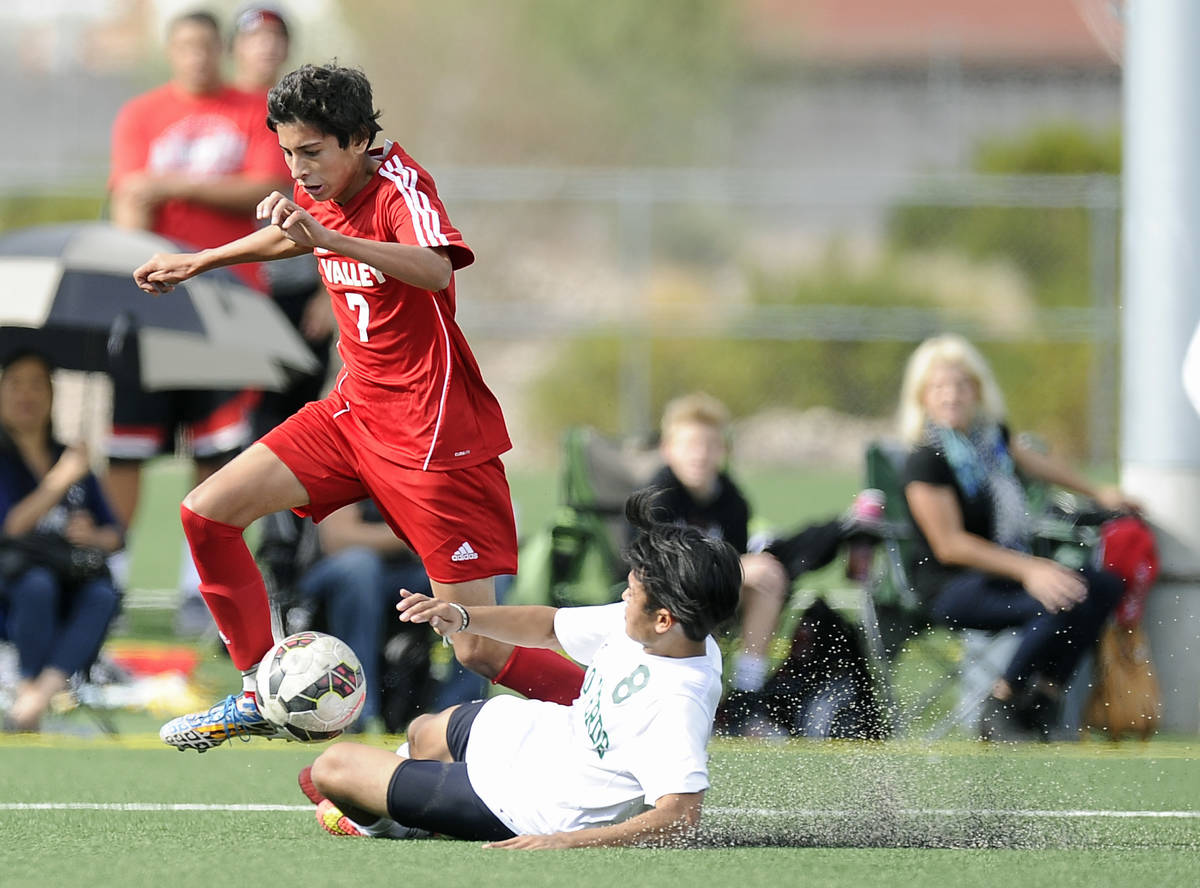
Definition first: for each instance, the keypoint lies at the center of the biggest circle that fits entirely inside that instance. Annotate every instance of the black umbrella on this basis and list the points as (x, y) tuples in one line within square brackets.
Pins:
[(68, 292)]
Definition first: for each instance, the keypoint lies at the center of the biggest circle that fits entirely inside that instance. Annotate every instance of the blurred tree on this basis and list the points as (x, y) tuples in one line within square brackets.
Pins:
[(1045, 383), (552, 81), (1050, 246), (1061, 149), (582, 385)]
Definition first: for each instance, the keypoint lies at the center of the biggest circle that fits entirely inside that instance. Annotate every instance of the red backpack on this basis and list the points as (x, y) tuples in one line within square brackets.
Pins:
[(1127, 548)]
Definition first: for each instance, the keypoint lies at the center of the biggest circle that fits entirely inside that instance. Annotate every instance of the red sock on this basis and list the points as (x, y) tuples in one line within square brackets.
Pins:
[(541, 674), (232, 587)]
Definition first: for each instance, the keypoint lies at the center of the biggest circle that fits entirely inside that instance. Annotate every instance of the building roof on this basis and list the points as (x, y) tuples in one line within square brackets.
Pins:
[(1082, 33)]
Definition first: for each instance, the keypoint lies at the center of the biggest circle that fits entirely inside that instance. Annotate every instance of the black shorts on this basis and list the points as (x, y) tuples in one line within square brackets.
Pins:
[(214, 423), (438, 796)]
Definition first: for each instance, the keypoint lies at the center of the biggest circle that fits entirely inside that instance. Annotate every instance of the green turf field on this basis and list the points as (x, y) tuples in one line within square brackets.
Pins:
[(77, 808), (77, 811)]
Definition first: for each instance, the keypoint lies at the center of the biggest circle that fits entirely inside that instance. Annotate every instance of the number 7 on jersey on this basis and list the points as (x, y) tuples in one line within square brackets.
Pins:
[(357, 303)]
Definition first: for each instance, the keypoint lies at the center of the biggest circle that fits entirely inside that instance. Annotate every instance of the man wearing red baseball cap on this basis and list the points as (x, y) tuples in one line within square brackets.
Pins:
[(259, 46)]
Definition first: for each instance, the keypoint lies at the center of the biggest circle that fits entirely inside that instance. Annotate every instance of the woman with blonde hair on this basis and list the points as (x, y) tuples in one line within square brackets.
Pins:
[(973, 562)]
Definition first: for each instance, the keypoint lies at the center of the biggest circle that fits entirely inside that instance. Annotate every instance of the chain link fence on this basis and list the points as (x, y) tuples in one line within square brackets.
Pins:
[(597, 295), (600, 294)]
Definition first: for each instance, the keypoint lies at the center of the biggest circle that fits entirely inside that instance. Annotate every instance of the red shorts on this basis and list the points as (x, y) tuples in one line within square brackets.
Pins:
[(460, 522)]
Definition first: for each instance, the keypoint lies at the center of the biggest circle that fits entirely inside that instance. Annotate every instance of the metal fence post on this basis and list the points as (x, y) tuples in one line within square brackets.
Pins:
[(636, 248), (1160, 432), (1102, 243)]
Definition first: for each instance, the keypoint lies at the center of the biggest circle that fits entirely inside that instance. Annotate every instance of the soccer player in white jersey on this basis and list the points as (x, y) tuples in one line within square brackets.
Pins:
[(626, 763)]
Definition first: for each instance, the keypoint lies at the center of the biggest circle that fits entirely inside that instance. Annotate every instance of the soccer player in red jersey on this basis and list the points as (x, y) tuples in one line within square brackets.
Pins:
[(409, 421)]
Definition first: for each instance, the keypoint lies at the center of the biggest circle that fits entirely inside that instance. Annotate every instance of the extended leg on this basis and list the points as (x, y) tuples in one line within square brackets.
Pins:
[(215, 515), (764, 593), (355, 778)]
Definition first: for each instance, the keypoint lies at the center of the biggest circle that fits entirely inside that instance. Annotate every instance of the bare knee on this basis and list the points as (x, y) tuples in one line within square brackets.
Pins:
[(418, 739), (481, 655), (209, 500), (256, 483), (330, 769)]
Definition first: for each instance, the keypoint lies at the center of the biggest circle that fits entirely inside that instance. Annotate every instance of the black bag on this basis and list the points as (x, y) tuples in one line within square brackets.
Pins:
[(824, 688), (73, 565), (288, 546), (406, 683)]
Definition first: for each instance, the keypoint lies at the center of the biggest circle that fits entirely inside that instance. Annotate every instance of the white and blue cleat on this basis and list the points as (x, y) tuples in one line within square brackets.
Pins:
[(235, 716)]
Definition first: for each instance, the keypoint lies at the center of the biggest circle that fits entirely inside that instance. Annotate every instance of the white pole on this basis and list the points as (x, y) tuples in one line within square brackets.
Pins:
[(1160, 431)]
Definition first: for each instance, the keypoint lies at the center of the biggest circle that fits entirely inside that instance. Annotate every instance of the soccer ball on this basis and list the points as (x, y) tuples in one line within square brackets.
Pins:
[(311, 686)]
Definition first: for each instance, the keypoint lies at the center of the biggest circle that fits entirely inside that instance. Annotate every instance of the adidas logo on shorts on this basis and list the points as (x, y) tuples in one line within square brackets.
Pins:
[(464, 553)]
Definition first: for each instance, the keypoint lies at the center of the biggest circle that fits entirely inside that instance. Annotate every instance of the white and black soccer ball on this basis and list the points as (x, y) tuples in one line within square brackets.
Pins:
[(311, 686)]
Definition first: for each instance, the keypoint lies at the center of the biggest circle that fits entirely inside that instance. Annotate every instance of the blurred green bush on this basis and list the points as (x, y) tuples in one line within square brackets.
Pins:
[(22, 210), (1047, 385), (1049, 246)]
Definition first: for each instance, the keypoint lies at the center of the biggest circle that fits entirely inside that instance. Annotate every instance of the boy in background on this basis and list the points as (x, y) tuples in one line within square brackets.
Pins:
[(699, 492)]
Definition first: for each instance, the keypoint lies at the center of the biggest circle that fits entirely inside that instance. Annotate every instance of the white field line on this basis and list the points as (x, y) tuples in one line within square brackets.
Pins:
[(959, 812), (144, 806), (741, 812)]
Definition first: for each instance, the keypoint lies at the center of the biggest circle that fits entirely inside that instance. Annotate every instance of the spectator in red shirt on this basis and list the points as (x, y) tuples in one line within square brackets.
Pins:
[(191, 159), (258, 46)]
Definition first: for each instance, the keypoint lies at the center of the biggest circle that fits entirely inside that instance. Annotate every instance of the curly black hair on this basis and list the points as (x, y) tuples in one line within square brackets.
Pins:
[(695, 578), (333, 99)]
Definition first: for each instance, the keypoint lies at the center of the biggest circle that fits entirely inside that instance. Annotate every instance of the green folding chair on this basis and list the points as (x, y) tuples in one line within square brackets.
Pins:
[(894, 618), (577, 559), (892, 613)]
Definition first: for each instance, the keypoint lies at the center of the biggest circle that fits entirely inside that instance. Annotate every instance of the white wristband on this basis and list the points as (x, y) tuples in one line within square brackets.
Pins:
[(463, 615)]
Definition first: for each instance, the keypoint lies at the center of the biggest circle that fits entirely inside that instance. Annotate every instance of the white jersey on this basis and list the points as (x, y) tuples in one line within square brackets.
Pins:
[(638, 731)]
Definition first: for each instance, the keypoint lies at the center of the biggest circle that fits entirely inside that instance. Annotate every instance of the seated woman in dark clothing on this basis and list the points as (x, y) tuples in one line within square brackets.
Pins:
[(57, 616), (974, 565)]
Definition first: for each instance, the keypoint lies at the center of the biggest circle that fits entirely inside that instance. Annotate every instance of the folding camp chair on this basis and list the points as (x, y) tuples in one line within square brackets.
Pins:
[(577, 560), (892, 613), (893, 616)]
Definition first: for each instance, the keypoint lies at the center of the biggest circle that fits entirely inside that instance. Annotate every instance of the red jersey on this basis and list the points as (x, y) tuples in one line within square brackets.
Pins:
[(224, 133), (411, 384)]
